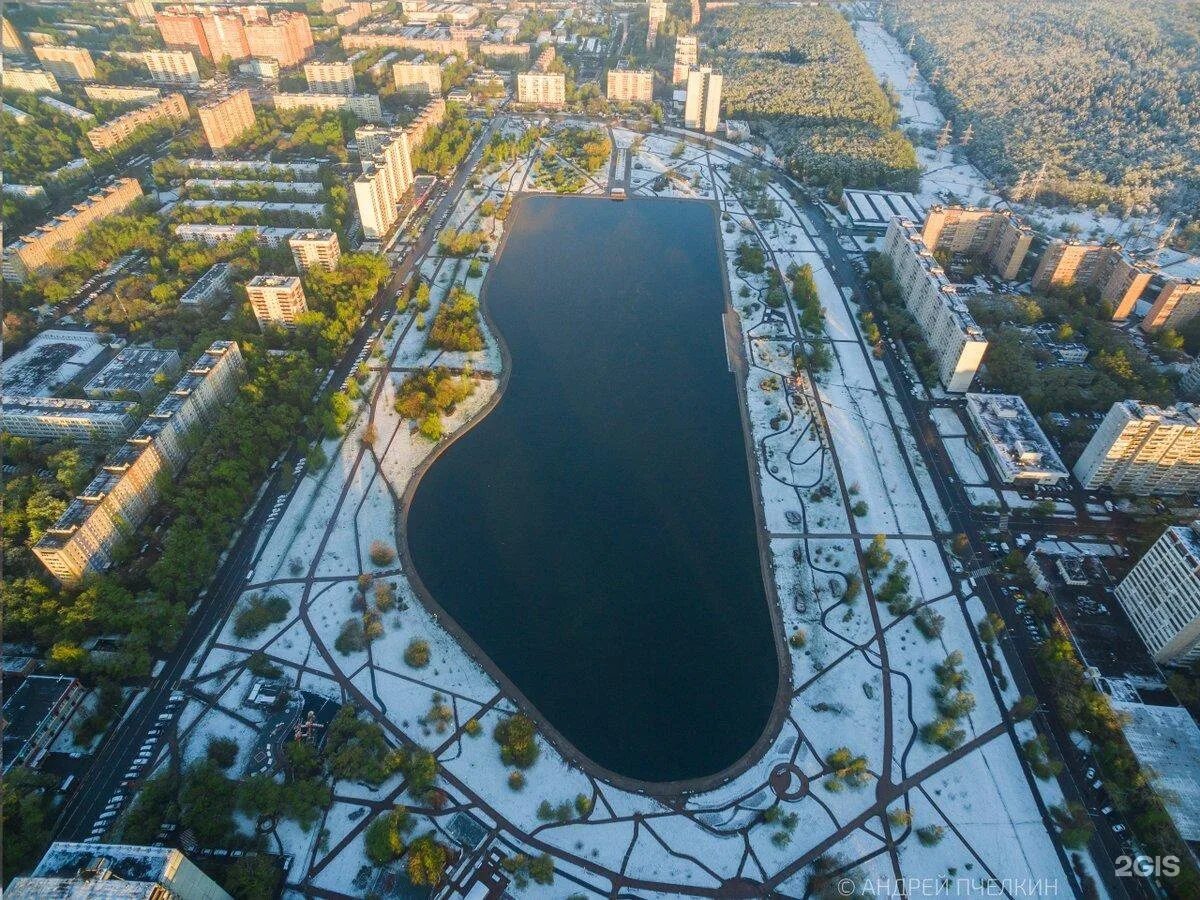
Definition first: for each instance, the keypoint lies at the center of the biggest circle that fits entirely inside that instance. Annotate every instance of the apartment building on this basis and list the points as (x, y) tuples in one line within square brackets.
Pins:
[(34, 715), (37, 252), (141, 10), (432, 115), (172, 109), (115, 93), (418, 78), (209, 287), (1103, 268), (656, 14), (1019, 450), (365, 106), (66, 63), (170, 66), (277, 300), (318, 248), (226, 119), (687, 55), (545, 59), (702, 107), (953, 337), (1177, 304), (539, 89), (238, 33), (285, 37), (330, 78), (414, 37), (997, 236), (115, 870), (385, 182), (10, 38), (30, 81), (1161, 595), (66, 418), (630, 85), (1143, 450), (134, 372), (128, 484)]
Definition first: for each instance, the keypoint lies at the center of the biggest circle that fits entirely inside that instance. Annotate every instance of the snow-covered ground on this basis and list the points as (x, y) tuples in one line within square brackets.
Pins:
[(836, 466)]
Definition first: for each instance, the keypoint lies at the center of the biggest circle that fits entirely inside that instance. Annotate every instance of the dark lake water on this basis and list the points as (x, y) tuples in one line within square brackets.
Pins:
[(595, 533)]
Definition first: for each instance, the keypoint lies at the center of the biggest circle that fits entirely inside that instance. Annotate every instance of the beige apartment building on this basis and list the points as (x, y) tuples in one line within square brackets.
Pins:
[(226, 119), (702, 107), (656, 14), (1161, 595), (1106, 269), (171, 66), (541, 89), (277, 300), (687, 55), (997, 236), (117, 93), (30, 81), (317, 248), (1144, 450), (330, 78), (432, 115), (365, 106), (172, 108), (630, 85), (129, 483), (67, 63), (952, 335), (418, 78), (10, 38), (386, 179), (38, 252), (1177, 304)]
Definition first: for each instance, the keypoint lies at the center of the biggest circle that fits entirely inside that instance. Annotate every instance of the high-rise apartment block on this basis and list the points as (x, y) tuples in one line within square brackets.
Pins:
[(238, 33), (30, 81), (67, 63), (170, 66), (226, 119), (97, 871), (1105, 268), (1161, 595), (120, 93), (128, 485), (276, 300), (656, 14), (386, 178), (172, 108), (315, 248), (630, 85), (418, 78), (702, 108), (330, 77), (997, 236), (538, 89), (687, 55), (953, 337), (1143, 450), (141, 10), (1177, 304), (39, 251)]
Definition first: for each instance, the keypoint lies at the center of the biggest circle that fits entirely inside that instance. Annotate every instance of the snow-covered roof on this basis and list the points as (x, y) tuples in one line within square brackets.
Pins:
[(1166, 740)]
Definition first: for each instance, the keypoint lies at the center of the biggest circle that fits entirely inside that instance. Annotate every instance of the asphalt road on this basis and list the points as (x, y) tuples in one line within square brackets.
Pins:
[(116, 754)]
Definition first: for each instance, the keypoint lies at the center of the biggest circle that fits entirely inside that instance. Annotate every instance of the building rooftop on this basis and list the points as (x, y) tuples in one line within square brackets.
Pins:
[(273, 281), (218, 272), (131, 370), (66, 406), (872, 210), (1166, 741), (1184, 415), (55, 357), (314, 234), (1017, 440), (27, 708)]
